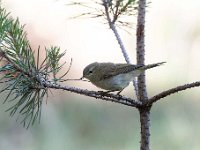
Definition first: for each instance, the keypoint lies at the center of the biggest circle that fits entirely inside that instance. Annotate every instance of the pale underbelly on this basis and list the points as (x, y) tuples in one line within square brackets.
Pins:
[(115, 83)]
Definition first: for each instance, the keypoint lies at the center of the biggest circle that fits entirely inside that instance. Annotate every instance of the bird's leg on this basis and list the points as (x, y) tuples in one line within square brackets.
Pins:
[(118, 93), (103, 93)]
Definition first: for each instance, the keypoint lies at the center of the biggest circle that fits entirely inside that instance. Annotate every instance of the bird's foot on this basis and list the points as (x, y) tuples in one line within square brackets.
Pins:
[(103, 93), (118, 93)]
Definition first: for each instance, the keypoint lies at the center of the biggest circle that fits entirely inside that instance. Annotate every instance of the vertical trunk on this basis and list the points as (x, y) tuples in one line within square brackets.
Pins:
[(142, 92), (141, 48), (145, 128)]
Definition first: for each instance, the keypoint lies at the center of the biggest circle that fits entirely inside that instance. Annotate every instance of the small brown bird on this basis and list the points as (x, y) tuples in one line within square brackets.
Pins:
[(114, 77)]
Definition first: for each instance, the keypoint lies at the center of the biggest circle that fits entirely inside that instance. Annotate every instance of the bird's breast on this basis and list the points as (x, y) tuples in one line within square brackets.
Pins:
[(115, 83)]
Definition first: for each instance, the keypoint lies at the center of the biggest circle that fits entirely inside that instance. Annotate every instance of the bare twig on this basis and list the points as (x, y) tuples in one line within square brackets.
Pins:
[(172, 91), (98, 95), (119, 40), (113, 28), (116, 14)]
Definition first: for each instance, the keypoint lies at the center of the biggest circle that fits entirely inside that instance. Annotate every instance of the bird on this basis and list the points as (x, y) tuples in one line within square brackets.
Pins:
[(114, 77)]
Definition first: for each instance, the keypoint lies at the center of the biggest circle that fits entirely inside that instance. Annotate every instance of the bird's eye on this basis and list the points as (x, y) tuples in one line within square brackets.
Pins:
[(90, 71)]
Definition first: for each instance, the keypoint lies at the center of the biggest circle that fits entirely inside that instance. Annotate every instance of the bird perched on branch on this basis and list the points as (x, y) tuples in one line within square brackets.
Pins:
[(114, 77)]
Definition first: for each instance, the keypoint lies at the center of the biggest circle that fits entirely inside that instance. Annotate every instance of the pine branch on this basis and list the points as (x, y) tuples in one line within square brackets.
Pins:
[(98, 95), (172, 91)]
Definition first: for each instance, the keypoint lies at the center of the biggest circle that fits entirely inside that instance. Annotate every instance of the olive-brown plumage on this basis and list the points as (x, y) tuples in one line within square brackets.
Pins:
[(114, 77)]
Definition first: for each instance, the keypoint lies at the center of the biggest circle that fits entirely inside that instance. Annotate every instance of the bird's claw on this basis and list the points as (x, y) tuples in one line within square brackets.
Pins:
[(103, 93)]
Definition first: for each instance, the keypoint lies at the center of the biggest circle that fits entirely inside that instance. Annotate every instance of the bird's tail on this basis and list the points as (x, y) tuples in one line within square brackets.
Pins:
[(151, 66)]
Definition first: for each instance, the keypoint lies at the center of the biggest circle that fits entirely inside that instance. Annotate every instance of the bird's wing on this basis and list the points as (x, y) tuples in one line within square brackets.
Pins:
[(117, 69), (125, 68), (108, 71)]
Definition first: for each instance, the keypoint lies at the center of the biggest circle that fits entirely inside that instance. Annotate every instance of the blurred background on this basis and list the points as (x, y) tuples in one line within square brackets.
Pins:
[(75, 122)]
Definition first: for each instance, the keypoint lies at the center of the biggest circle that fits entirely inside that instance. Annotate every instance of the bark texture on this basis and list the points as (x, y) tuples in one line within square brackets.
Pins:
[(142, 92), (145, 128)]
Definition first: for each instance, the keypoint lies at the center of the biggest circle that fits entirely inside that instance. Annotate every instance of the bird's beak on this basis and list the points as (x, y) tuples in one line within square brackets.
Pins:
[(83, 78)]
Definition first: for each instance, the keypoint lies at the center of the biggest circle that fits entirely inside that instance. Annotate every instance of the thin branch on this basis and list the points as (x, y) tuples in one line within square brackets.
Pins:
[(116, 14), (119, 40), (98, 95), (172, 91), (113, 28)]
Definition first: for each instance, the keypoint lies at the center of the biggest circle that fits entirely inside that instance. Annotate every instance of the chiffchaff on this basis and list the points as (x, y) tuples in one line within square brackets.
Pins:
[(114, 77)]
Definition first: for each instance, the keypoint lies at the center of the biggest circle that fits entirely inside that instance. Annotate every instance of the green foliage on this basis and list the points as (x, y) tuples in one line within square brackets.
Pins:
[(53, 58), (21, 73)]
